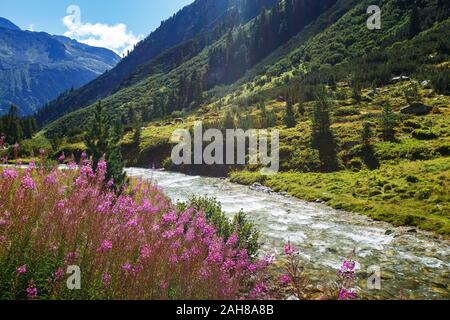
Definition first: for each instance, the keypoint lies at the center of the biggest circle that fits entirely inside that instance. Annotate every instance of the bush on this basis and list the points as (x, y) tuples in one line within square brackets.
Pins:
[(444, 150), (412, 124), (247, 234), (423, 194), (356, 164), (421, 134), (346, 111), (412, 179)]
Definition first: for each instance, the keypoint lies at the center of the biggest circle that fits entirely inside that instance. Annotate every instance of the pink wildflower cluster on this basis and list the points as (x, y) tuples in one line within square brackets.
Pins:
[(346, 280), (135, 245)]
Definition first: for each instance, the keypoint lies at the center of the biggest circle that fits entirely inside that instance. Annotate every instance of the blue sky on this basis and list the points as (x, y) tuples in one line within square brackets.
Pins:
[(116, 24)]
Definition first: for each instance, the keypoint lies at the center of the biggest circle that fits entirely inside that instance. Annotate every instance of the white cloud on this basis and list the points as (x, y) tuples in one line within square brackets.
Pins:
[(31, 27), (114, 37)]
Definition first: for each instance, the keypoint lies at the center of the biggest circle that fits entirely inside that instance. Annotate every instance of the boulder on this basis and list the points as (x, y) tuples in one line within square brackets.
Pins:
[(400, 79), (426, 84), (418, 109)]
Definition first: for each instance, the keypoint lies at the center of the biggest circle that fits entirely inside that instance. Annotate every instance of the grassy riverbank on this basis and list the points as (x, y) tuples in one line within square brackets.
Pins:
[(406, 194)]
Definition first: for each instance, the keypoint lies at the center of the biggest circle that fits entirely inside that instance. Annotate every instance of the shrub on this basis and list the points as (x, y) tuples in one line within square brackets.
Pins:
[(444, 149), (130, 246), (346, 111), (412, 179), (356, 164), (247, 234), (424, 194), (412, 124), (421, 134)]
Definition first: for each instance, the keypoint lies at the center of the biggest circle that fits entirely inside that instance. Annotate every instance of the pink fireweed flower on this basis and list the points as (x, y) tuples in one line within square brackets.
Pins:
[(252, 268), (110, 183), (106, 279), (203, 273), (51, 178), (232, 241), (268, 259), (105, 246), (173, 259), (145, 251), (163, 285), (289, 249), (169, 218), (101, 168), (190, 235), (128, 268), (22, 269), (347, 270), (72, 257), (32, 291), (175, 245), (284, 280), (259, 291), (131, 223), (61, 204), (72, 165), (10, 174), (345, 294), (28, 183), (58, 274), (62, 157)]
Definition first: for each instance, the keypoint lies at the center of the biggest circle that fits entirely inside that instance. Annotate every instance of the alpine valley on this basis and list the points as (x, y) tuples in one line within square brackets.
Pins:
[(363, 115)]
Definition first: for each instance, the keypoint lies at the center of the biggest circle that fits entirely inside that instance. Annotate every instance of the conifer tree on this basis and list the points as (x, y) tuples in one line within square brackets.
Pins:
[(102, 141), (115, 169), (96, 138), (388, 122), (323, 138), (289, 117), (414, 22)]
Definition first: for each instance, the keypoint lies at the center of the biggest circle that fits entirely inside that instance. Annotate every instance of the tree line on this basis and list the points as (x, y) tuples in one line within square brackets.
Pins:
[(14, 129)]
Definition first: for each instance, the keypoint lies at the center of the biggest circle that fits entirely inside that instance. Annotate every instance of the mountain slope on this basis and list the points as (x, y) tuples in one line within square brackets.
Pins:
[(151, 97), (193, 27), (327, 49), (36, 67)]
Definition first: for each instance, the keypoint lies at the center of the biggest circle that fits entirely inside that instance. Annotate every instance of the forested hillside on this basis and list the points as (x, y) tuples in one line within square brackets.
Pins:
[(177, 40)]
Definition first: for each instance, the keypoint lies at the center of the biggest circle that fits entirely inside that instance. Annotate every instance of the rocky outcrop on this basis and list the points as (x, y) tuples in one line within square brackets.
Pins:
[(418, 109)]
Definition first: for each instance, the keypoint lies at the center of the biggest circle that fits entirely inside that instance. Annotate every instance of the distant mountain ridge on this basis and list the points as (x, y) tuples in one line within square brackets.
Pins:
[(5, 23), (36, 67)]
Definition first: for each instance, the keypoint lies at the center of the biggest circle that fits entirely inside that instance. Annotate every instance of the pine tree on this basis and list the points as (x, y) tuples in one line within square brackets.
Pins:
[(367, 151), (322, 136), (301, 109), (102, 141), (414, 22), (366, 134), (228, 121), (115, 169), (96, 138), (388, 122), (289, 117)]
